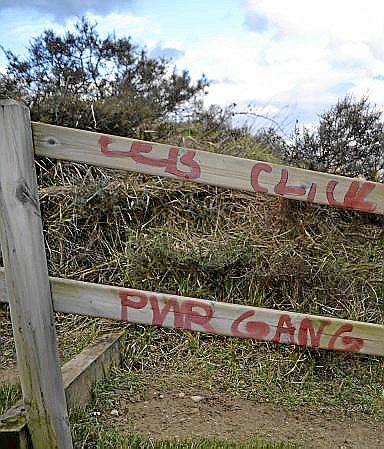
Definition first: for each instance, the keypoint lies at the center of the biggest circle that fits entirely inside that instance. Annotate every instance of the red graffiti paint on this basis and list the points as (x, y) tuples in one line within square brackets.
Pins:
[(282, 189), (160, 315), (104, 141), (350, 344), (184, 313), (183, 165), (306, 330), (136, 153), (186, 159), (127, 300), (254, 329), (191, 315), (355, 197), (256, 170), (330, 194), (138, 149), (284, 327)]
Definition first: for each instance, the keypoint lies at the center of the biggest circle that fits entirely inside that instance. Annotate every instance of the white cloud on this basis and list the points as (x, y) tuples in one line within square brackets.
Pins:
[(125, 24), (264, 72), (301, 53), (341, 19)]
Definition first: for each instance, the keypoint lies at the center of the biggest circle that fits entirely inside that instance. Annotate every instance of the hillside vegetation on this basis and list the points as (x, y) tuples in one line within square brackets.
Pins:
[(149, 233)]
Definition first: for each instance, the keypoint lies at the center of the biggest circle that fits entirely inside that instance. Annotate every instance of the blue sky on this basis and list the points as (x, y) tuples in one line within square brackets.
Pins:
[(286, 59)]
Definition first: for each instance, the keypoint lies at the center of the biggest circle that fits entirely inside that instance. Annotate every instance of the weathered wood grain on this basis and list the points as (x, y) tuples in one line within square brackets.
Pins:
[(214, 317), (207, 168), (79, 374), (27, 283), (90, 366)]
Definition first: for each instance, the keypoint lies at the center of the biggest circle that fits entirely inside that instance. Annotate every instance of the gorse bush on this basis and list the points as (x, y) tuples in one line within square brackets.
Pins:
[(83, 81), (109, 85), (348, 141)]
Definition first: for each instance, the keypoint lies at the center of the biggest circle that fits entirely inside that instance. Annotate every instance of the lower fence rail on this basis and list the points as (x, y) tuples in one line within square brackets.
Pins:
[(212, 317)]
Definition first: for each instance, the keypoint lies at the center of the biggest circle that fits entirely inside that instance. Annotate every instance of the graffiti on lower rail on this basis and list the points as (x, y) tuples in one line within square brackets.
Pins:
[(250, 322)]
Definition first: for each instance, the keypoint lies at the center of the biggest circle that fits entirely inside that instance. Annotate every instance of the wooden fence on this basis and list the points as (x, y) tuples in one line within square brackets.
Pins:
[(33, 296)]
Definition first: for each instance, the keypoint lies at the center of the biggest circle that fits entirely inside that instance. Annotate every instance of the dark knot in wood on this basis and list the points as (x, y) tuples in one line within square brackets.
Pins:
[(24, 195), (22, 192)]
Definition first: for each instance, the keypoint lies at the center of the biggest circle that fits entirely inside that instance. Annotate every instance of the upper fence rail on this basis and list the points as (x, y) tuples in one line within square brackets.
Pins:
[(207, 168)]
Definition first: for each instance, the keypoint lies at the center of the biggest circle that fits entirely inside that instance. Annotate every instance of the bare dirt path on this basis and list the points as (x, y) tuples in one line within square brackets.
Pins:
[(185, 414)]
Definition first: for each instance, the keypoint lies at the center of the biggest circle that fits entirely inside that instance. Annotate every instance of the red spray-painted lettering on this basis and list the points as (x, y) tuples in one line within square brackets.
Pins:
[(350, 344), (256, 170), (128, 299), (184, 166), (183, 313), (254, 329), (284, 327), (306, 327), (160, 315), (312, 193), (170, 164), (282, 189), (354, 198)]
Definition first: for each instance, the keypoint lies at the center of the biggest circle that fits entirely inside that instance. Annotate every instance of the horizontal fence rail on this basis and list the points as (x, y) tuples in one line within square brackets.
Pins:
[(207, 168), (212, 317)]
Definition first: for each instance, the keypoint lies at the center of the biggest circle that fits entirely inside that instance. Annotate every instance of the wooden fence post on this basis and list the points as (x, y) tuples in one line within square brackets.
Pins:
[(27, 283)]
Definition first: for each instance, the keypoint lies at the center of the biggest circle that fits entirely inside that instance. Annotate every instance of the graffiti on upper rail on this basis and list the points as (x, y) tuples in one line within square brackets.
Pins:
[(170, 164), (183, 165), (354, 198)]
